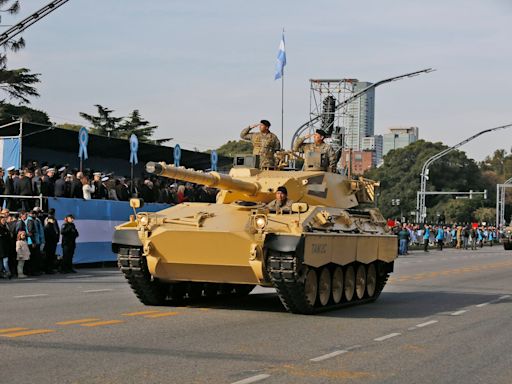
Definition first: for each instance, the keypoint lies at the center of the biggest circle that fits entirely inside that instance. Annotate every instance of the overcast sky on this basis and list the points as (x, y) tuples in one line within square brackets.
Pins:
[(203, 70)]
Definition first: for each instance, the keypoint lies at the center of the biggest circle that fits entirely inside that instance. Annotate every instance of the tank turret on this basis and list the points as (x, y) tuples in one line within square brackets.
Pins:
[(311, 186)]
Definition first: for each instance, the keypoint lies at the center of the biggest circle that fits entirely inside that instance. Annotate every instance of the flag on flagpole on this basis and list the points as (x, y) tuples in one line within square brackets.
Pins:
[(281, 60)]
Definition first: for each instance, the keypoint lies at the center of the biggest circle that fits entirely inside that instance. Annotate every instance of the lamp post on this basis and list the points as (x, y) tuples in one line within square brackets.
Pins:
[(396, 202), (421, 209)]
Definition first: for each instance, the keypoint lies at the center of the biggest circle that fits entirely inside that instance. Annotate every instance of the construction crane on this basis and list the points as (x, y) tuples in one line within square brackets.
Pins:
[(28, 21)]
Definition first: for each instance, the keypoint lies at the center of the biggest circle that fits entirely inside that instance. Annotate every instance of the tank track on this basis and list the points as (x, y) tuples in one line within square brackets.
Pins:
[(152, 291), (135, 269), (287, 276)]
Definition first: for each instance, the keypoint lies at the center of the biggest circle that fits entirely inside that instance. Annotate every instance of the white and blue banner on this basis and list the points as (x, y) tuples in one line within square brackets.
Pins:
[(95, 221), (83, 139), (134, 147), (10, 152), (281, 59)]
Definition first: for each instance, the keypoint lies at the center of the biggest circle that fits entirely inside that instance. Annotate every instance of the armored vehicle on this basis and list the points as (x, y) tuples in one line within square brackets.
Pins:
[(325, 252)]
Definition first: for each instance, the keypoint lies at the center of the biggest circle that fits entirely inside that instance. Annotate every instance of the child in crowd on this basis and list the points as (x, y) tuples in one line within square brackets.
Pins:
[(22, 252)]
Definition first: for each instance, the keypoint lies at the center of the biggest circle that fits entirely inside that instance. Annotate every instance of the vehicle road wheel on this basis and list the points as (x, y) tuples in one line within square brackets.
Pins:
[(324, 286), (350, 283), (211, 289), (371, 280), (311, 287), (337, 285), (360, 281), (195, 290)]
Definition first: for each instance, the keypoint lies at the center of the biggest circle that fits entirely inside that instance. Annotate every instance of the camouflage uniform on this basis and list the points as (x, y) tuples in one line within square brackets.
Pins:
[(324, 148), (264, 145), (275, 205)]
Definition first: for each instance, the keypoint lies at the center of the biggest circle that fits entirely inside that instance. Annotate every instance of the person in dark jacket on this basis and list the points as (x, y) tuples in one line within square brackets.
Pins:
[(51, 236), (100, 192), (47, 183), (9, 190), (122, 191), (60, 186), (76, 186), (5, 238), (24, 188), (69, 234)]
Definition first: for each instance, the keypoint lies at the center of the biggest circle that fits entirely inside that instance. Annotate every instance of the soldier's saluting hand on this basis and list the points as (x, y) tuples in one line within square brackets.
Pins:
[(264, 142)]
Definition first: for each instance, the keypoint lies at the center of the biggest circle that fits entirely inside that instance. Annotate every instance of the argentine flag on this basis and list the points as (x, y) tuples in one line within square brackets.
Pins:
[(281, 60)]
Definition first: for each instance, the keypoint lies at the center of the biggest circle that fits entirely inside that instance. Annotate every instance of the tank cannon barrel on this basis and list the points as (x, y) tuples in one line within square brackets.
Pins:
[(211, 179)]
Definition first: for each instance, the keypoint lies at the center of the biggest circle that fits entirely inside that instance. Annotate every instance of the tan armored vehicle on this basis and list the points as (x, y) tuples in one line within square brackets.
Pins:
[(324, 253)]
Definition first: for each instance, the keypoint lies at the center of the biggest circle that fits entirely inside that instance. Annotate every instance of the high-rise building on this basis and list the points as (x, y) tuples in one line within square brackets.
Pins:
[(373, 144), (359, 118), (399, 138)]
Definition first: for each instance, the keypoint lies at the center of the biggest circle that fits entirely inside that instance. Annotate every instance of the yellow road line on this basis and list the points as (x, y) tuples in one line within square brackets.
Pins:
[(100, 323), (140, 313), (28, 333), (8, 330), (79, 321), (164, 314)]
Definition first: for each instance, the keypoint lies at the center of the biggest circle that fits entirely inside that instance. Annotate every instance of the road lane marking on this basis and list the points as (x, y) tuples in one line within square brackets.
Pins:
[(79, 321), (458, 312), (9, 330), (252, 379), (328, 356), (28, 333), (101, 323), (97, 290), (139, 313), (492, 301), (164, 314), (382, 338), (426, 323), (28, 296)]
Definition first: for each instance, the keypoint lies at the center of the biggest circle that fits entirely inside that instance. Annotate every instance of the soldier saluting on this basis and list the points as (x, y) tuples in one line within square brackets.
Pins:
[(264, 143), (318, 145)]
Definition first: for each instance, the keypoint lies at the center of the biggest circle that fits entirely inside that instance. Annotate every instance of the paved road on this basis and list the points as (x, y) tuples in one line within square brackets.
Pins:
[(444, 317)]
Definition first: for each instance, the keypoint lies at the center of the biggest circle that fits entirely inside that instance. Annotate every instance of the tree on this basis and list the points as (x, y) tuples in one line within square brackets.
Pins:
[(487, 215), (104, 124), (17, 83), (134, 124), (400, 176), (234, 147), (10, 112)]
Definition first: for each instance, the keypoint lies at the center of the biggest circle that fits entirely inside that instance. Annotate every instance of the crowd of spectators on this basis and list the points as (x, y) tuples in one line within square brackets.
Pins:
[(460, 236), (28, 243), (61, 181)]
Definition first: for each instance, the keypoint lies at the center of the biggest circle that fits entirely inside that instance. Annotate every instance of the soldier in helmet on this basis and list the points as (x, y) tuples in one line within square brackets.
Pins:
[(318, 145), (264, 143)]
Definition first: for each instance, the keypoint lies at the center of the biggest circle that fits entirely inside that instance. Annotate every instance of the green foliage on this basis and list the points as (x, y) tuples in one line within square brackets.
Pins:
[(400, 177), (487, 215), (18, 83), (10, 112), (500, 163), (105, 124), (234, 147)]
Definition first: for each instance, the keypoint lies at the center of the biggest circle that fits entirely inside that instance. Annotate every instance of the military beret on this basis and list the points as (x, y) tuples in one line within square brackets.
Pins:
[(265, 122), (283, 190), (321, 132)]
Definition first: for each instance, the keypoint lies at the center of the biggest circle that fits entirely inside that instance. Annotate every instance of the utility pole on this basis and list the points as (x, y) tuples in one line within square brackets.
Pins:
[(421, 209)]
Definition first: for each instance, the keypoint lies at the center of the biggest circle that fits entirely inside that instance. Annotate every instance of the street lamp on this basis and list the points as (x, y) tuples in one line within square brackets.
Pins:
[(421, 209)]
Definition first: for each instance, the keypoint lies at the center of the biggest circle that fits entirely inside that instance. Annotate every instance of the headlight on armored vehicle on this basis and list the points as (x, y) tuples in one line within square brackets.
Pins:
[(260, 222), (143, 220)]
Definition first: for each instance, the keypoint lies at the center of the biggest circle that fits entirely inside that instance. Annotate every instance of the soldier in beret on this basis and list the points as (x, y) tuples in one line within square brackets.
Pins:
[(264, 143), (318, 145)]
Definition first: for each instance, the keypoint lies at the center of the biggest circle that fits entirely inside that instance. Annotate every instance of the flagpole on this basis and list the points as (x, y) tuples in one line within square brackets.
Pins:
[(282, 111)]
